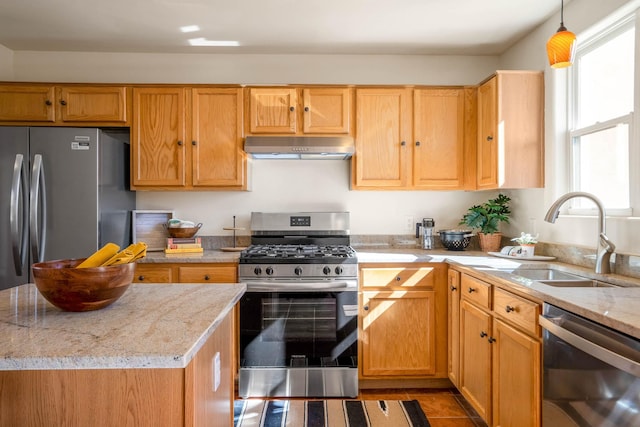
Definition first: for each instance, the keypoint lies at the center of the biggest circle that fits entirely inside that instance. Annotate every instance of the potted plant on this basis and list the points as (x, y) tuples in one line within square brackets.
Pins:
[(527, 244), (487, 218)]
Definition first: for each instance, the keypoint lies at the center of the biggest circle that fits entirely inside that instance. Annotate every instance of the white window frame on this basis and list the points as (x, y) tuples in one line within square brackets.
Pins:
[(593, 38)]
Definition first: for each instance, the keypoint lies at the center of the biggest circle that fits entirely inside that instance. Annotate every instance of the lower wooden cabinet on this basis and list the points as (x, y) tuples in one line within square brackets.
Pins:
[(500, 353), (403, 321), (186, 273), (453, 323)]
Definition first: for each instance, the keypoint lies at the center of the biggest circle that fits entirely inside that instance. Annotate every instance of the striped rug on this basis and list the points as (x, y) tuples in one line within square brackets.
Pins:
[(328, 413)]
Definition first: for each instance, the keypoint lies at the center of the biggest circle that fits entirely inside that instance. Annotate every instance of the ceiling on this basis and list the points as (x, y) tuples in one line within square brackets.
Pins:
[(461, 27)]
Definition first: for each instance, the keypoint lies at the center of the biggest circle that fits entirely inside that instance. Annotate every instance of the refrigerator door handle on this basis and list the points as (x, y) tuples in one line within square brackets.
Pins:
[(19, 237), (38, 202)]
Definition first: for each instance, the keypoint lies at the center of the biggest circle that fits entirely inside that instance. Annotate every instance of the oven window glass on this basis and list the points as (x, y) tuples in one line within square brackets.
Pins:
[(305, 329)]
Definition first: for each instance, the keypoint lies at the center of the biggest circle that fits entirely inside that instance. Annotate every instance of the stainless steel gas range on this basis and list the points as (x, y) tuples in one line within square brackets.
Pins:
[(298, 318)]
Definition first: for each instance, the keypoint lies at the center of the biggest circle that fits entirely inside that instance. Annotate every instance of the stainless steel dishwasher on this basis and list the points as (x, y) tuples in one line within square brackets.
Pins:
[(591, 373)]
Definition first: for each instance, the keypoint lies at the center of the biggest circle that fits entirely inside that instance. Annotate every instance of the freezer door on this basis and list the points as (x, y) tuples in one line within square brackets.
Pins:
[(70, 170), (14, 200)]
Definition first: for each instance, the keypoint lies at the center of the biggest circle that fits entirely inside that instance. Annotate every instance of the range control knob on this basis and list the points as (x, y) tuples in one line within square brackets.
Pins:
[(269, 271), (338, 270), (326, 271), (298, 271), (257, 271)]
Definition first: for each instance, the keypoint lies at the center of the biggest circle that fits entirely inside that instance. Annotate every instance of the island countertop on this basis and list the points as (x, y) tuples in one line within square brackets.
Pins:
[(150, 326)]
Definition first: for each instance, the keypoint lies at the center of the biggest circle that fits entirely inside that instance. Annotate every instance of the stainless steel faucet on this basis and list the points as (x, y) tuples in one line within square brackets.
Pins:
[(605, 247)]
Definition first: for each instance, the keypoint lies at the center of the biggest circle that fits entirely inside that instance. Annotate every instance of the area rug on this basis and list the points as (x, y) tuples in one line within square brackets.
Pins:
[(329, 413)]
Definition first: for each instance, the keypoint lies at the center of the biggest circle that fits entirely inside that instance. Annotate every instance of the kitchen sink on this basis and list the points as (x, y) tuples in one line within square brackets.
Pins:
[(545, 274), (580, 283)]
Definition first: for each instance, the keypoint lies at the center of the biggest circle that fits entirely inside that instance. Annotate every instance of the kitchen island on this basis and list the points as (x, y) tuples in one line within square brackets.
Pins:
[(159, 356)]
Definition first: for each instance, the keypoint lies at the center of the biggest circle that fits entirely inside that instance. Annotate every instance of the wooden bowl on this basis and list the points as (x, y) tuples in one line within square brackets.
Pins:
[(183, 232), (81, 289)]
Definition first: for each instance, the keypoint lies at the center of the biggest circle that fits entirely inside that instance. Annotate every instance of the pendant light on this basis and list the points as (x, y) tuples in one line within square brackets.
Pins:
[(561, 47)]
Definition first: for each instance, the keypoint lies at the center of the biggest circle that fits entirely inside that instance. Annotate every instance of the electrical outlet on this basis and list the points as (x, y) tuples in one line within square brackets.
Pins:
[(409, 223)]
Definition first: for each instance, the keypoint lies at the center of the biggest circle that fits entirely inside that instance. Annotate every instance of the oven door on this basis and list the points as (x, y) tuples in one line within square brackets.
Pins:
[(299, 341)]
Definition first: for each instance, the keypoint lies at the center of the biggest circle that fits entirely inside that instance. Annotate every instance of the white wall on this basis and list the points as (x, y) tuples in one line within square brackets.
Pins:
[(530, 206), (6, 64)]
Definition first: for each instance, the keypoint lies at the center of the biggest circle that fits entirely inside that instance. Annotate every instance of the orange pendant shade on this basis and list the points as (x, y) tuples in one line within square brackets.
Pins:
[(561, 48)]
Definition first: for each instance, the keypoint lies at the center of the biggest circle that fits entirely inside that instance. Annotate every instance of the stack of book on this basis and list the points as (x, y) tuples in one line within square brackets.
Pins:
[(183, 245)]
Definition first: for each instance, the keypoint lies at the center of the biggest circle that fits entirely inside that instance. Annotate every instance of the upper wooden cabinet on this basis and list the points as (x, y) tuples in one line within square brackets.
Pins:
[(52, 105), (510, 145), (290, 110), (187, 138), (409, 139)]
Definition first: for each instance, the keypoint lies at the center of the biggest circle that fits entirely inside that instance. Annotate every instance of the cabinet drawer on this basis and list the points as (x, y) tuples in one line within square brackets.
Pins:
[(516, 310), (153, 274), (217, 274), (401, 277), (476, 291)]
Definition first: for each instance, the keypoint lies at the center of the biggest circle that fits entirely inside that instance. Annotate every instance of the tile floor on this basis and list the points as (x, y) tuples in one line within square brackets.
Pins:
[(443, 407)]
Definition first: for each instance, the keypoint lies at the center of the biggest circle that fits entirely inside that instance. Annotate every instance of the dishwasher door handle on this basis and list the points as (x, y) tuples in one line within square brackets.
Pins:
[(604, 354)]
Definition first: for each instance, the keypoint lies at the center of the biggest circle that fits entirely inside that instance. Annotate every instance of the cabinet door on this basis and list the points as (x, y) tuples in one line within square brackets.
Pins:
[(93, 104), (153, 273), (438, 146), (475, 358), (273, 110), (516, 377), (218, 157), (208, 274), (327, 110), (487, 166), (27, 103), (383, 135), (453, 329), (398, 336), (158, 137)]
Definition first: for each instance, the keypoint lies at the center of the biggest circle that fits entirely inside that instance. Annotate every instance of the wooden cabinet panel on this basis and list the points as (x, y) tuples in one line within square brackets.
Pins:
[(208, 274), (397, 333), (398, 277), (153, 273), (93, 104), (475, 358), (326, 110), (487, 149), (438, 147), (383, 138), (516, 310), (273, 110), (158, 137), (453, 323), (476, 291), (27, 103), (217, 154), (516, 378)]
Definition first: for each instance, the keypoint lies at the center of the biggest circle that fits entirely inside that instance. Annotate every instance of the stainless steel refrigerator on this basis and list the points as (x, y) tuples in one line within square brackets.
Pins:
[(64, 192)]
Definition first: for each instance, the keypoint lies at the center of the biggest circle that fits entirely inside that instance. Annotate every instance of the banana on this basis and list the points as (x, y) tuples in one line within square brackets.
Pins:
[(101, 256)]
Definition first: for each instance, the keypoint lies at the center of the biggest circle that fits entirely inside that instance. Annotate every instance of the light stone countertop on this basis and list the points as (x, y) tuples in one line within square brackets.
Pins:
[(208, 256), (150, 326)]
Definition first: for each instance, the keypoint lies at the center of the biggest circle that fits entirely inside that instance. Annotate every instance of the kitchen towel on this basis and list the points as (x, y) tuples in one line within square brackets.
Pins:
[(329, 413)]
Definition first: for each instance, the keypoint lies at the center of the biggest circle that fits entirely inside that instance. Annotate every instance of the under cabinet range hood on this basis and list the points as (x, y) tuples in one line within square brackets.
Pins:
[(300, 147)]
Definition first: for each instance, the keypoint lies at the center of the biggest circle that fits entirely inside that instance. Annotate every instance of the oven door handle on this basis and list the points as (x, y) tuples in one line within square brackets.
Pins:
[(338, 286), (590, 347)]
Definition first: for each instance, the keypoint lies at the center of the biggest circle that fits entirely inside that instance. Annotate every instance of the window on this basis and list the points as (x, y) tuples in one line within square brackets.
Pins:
[(601, 119)]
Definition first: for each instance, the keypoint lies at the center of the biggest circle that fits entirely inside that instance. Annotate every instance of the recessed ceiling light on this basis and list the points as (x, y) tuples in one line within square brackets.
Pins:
[(190, 28), (201, 41)]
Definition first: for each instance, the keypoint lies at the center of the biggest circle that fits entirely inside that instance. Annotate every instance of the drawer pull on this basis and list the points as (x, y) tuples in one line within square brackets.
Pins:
[(492, 340), (453, 288), (366, 308), (483, 334), (472, 290), (206, 277), (509, 309), (398, 278), (141, 278)]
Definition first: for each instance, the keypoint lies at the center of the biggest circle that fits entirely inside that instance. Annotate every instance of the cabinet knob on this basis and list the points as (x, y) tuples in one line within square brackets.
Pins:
[(47, 102), (306, 109), (492, 340), (509, 309), (453, 288), (180, 143), (417, 143), (471, 290), (398, 278), (366, 307), (483, 334), (403, 143), (63, 102), (292, 109), (141, 278), (489, 138), (206, 277), (193, 143)]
